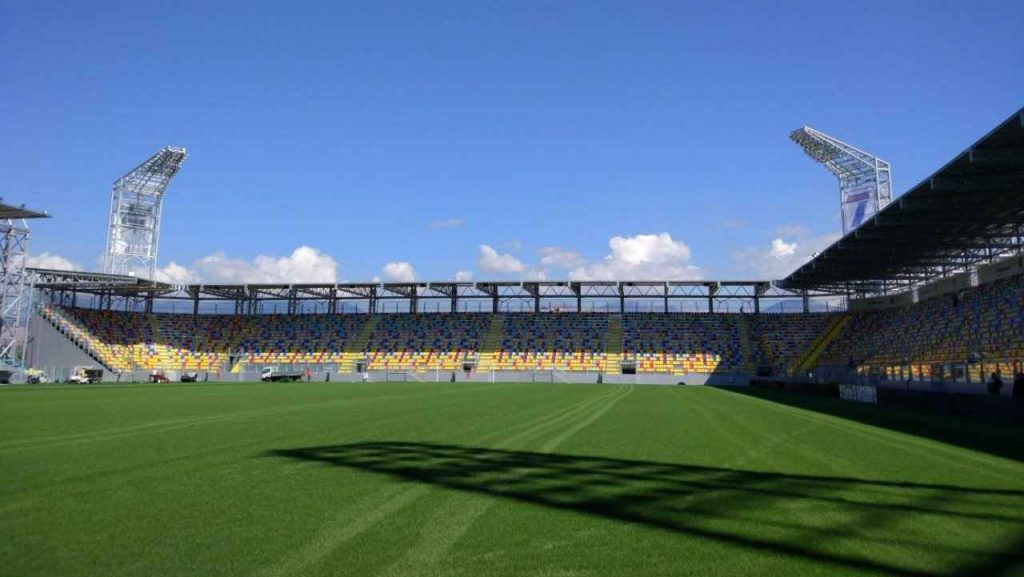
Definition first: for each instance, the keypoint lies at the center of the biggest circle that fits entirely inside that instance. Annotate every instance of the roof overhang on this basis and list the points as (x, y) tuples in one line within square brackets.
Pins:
[(969, 211), (9, 211)]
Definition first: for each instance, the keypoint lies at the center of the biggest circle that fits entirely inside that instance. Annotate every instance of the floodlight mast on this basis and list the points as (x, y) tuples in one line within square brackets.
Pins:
[(136, 200), (15, 284), (865, 181)]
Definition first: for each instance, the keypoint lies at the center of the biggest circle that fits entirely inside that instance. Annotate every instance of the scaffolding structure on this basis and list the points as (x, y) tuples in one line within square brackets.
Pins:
[(15, 291), (136, 199), (865, 181)]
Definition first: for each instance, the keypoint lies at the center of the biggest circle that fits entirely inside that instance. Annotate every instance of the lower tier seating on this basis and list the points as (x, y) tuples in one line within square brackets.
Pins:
[(682, 343), (425, 342), (778, 340), (984, 324), (553, 341)]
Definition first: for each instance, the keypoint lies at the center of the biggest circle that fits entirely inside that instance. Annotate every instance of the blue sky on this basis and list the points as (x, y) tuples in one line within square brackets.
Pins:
[(510, 140)]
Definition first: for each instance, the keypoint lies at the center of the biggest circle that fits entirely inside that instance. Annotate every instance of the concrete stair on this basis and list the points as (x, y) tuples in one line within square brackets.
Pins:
[(355, 348), (491, 345), (807, 361), (743, 328), (613, 346), (240, 361)]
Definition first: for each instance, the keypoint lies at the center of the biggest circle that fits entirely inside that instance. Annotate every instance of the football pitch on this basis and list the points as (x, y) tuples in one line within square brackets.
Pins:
[(405, 479)]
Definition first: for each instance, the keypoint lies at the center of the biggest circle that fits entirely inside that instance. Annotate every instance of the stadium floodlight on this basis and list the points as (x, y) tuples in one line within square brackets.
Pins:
[(15, 285), (865, 181), (135, 203)]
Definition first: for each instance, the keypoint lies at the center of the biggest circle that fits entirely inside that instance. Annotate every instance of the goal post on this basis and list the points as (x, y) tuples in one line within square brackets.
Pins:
[(543, 376)]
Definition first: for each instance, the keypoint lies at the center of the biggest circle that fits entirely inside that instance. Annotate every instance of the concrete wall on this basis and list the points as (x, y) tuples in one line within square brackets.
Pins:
[(1001, 269), (944, 286), (880, 303), (517, 377), (50, 350)]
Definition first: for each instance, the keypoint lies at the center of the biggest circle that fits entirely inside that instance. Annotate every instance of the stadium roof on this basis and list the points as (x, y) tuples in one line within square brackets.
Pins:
[(93, 281), (10, 211), (248, 297), (970, 211)]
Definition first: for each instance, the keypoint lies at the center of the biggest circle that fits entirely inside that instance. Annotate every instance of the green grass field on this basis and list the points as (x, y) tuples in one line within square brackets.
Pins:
[(408, 479)]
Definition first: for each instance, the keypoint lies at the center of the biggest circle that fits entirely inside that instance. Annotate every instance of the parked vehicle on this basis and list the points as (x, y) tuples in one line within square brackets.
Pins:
[(271, 374), (86, 375)]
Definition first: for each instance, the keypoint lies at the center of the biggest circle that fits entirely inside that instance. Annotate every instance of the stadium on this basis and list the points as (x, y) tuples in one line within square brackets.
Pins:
[(201, 372), (949, 248), (506, 427)]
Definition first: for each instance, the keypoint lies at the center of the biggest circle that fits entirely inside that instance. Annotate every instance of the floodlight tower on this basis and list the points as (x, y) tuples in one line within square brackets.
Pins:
[(135, 203), (865, 181), (15, 290)]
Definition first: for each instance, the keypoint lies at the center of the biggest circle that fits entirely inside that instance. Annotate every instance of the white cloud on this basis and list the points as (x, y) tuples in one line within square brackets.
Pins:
[(51, 261), (176, 274), (492, 261), (305, 265), (641, 257), (780, 258), (559, 257), (781, 250), (447, 223), (536, 273), (400, 271), (463, 276)]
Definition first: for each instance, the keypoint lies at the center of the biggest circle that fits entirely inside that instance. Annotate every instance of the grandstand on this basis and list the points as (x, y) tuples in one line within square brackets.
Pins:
[(981, 327), (933, 284), (978, 332), (964, 338)]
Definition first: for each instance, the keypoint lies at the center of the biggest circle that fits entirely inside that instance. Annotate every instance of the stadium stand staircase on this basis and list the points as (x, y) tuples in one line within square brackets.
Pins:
[(491, 344), (160, 354), (74, 333), (613, 346), (810, 357), (355, 349), (743, 328)]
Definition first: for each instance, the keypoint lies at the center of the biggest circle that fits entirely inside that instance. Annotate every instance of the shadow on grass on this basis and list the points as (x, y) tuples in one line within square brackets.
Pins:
[(849, 525), (1000, 439)]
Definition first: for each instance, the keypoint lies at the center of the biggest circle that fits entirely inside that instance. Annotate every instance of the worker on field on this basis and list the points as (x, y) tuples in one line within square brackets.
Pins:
[(995, 384)]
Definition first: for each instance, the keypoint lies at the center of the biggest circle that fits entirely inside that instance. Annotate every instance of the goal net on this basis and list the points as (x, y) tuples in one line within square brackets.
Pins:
[(543, 376), (396, 376)]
